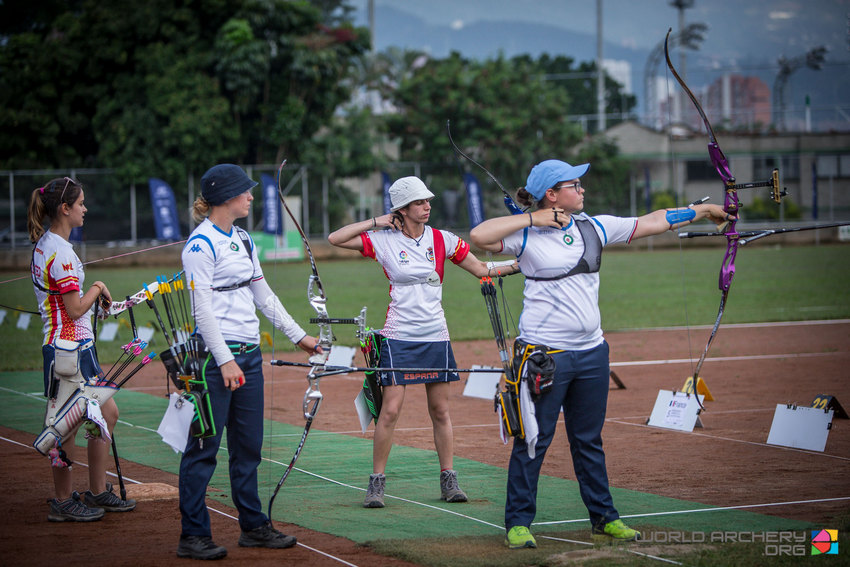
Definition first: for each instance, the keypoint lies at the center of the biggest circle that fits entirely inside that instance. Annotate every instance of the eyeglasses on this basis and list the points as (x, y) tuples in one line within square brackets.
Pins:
[(576, 185)]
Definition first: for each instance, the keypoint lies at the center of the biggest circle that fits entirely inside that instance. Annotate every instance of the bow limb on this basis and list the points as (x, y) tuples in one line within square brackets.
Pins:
[(509, 201), (731, 204)]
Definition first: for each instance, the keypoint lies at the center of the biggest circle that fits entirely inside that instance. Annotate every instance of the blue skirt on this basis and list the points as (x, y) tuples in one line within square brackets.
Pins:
[(412, 354)]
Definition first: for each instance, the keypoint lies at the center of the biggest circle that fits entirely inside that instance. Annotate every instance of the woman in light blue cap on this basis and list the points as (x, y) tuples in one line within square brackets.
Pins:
[(559, 250)]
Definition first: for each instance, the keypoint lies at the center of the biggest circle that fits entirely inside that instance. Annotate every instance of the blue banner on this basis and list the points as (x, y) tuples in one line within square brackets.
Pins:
[(473, 200), (272, 211), (387, 182), (76, 234), (164, 210)]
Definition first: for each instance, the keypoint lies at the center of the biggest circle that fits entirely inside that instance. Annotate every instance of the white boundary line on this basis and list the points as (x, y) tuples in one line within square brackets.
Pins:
[(698, 510), (717, 437), (728, 358), (767, 324)]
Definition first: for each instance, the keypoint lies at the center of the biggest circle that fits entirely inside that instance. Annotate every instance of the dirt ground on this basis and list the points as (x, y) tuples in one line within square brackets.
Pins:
[(751, 368)]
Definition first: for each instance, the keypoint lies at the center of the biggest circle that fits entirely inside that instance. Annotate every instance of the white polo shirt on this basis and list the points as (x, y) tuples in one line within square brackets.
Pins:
[(564, 313), (213, 258), (415, 312)]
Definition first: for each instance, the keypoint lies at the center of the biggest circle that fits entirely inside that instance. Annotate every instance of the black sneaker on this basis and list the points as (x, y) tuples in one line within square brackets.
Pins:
[(72, 510), (199, 547), (109, 501), (266, 536)]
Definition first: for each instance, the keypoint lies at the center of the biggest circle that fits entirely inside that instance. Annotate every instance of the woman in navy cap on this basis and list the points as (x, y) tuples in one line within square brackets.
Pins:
[(415, 334), (559, 249), (220, 261)]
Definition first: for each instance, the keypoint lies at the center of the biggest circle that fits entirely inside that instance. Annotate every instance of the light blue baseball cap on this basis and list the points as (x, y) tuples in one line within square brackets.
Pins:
[(549, 173)]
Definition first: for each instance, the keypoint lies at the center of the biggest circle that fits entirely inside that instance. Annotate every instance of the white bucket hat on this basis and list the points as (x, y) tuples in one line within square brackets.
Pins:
[(406, 190)]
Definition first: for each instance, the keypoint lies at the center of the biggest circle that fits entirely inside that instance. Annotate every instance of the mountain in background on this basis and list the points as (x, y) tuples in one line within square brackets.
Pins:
[(827, 89)]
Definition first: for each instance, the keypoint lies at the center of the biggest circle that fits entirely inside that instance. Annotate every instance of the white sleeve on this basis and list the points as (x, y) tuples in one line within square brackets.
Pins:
[(273, 309), (208, 326)]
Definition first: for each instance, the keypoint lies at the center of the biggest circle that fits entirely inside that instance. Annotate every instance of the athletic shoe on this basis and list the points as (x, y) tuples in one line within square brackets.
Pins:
[(449, 489), (72, 510), (266, 536), (199, 547), (109, 501), (375, 492), (519, 537), (614, 532)]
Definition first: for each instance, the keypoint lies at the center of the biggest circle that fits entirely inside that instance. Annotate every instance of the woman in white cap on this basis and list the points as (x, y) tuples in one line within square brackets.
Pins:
[(559, 250), (220, 261), (415, 334)]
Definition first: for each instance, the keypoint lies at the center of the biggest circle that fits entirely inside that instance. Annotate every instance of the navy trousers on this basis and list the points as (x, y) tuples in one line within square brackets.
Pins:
[(241, 413), (581, 388)]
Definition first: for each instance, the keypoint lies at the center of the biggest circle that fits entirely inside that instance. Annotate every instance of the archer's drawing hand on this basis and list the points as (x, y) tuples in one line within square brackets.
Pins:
[(554, 217)]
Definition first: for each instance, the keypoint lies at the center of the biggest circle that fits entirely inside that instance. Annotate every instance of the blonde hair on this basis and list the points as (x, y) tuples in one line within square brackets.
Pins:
[(200, 209), (45, 202)]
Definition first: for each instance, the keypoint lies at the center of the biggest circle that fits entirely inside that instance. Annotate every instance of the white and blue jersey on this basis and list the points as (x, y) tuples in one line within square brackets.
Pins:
[(214, 259), (562, 313)]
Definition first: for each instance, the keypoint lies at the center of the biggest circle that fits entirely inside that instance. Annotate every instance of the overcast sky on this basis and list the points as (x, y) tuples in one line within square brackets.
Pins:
[(738, 29)]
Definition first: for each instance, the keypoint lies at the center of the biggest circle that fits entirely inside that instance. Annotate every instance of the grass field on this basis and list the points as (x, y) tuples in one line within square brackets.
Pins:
[(639, 289)]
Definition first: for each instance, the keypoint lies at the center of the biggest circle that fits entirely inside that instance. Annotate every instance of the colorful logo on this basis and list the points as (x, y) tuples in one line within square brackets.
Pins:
[(67, 267), (824, 542), (568, 239), (234, 246), (402, 255), (429, 254)]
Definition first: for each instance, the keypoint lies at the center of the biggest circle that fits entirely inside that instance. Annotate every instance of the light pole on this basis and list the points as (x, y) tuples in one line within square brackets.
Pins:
[(813, 59)]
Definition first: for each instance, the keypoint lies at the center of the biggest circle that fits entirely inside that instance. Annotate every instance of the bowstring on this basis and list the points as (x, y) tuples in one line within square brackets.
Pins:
[(674, 176)]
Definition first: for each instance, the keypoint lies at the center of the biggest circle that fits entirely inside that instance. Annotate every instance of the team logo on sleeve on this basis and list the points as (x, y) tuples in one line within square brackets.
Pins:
[(429, 254), (568, 240), (68, 267)]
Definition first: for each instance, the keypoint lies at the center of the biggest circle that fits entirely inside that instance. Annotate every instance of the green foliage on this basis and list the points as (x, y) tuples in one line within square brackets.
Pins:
[(664, 200), (502, 114), (766, 209), (158, 89)]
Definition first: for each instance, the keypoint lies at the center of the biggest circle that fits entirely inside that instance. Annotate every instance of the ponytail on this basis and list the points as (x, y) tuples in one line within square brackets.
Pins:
[(35, 215), (200, 209)]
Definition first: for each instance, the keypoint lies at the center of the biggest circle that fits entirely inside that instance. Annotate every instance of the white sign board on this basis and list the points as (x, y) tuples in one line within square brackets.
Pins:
[(675, 410), (800, 427), (482, 384)]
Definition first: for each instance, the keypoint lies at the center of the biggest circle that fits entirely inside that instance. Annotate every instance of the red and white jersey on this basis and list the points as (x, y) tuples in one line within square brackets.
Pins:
[(57, 268), (415, 270)]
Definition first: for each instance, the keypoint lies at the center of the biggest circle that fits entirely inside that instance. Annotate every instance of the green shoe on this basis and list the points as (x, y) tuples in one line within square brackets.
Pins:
[(519, 537), (614, 532)]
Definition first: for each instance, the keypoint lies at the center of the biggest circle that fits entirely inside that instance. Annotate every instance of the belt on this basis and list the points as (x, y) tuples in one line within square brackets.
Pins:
[(241, 348)]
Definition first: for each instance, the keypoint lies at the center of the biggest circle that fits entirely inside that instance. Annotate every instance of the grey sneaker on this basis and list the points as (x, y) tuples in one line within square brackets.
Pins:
[(108, 500), (375, 492), (266, 536), (199, 547), (72, 510), (449, 489)]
